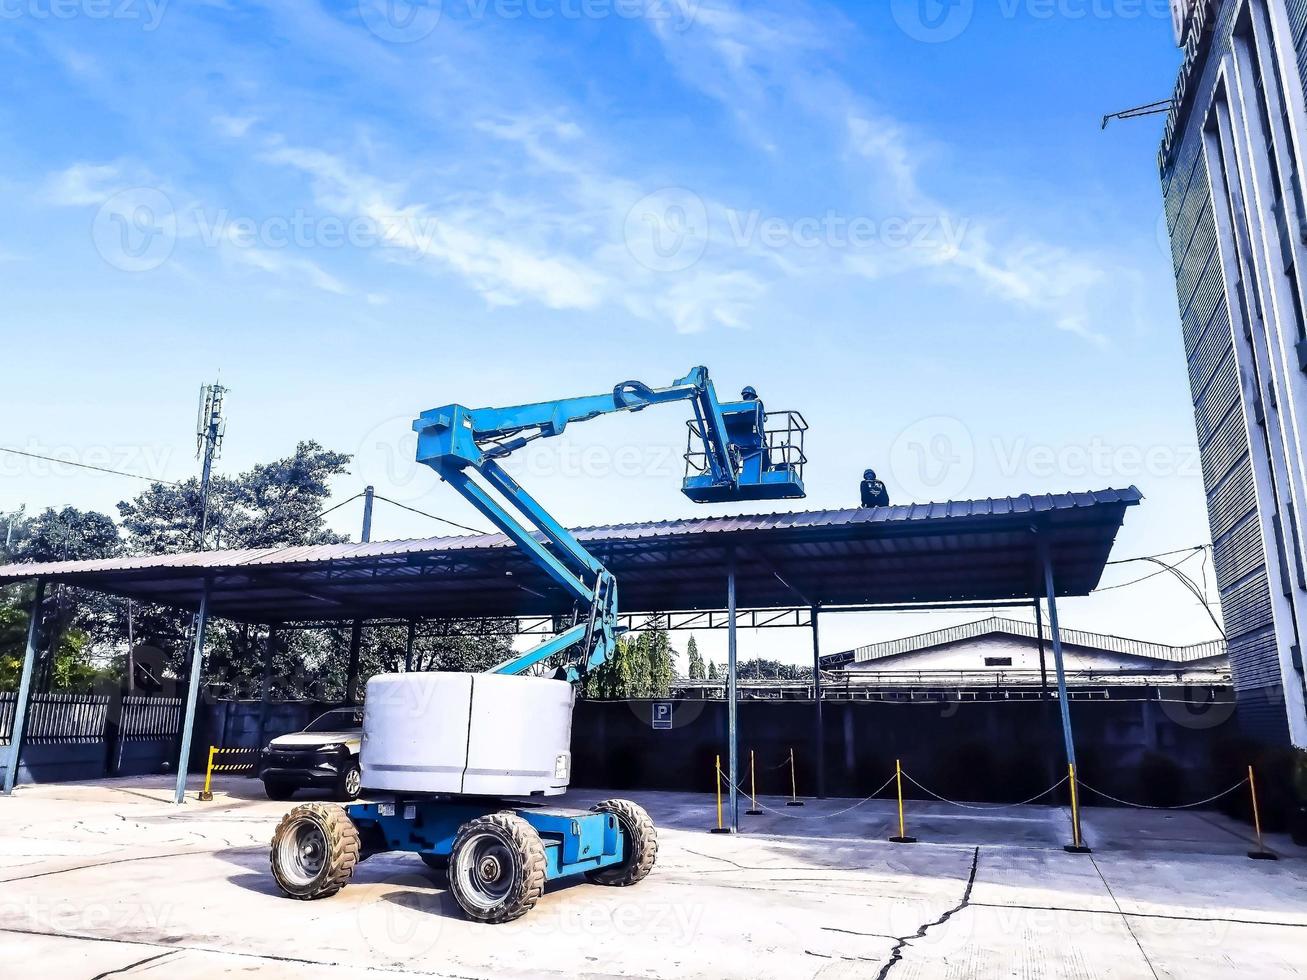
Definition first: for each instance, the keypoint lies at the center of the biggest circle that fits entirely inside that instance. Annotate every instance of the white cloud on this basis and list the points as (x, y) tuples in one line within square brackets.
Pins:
[(84, 184), (732, 56)]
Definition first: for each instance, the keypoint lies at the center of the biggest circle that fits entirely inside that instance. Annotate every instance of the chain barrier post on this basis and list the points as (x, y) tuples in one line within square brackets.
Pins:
[(1077, 845), (794, 784), (206, 794), (719, 829), (753, 789), (903, 837), (1261, 854)]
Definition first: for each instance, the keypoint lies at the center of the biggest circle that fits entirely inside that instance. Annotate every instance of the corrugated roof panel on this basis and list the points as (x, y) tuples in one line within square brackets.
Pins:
[(945, 551)]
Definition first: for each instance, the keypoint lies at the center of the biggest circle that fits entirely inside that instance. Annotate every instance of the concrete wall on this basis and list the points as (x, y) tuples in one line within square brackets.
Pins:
[(989, 751)]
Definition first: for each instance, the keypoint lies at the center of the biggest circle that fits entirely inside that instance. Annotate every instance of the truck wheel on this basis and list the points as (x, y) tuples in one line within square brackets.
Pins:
[(641, 845), (497, 867), (275, 790), (350, 782), (314, 850)]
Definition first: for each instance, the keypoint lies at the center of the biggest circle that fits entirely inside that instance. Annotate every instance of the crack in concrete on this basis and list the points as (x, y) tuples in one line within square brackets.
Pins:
[(896, 954), (1141, 915), (132, 966)]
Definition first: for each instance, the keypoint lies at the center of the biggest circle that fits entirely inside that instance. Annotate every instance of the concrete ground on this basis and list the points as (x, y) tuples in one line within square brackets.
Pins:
[(111, 879)]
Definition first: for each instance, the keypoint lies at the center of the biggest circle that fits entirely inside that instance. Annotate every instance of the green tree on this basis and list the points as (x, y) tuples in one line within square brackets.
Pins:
[(714, 672), (696, 668), (760, 668)]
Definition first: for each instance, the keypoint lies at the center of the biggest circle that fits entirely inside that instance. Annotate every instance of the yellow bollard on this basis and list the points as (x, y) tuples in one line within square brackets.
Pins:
[(903, 837), (719, 829), (794, 784), (206, 794), (1261, 854), (1077, 845), (753, 788)]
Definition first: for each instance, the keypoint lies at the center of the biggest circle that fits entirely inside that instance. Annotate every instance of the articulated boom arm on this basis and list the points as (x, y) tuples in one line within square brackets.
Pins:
[(458, 442)]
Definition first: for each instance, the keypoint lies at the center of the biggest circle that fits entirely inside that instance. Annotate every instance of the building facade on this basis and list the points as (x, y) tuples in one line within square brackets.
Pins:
[(1231, 168)]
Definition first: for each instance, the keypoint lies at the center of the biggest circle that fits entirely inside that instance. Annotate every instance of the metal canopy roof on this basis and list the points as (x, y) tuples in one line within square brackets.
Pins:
[(971, 550)]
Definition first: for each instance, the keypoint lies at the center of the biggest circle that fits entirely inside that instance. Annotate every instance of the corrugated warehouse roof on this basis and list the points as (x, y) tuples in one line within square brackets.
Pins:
[(1162, 652), (939, 552)]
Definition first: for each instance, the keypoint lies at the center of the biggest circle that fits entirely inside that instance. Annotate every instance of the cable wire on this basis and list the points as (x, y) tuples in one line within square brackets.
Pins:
[(1147, 806), (88, 466), (988, 806), (434, 517), (805, 816)]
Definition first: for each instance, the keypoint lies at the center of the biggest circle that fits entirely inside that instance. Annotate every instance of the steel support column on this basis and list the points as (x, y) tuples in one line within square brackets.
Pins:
[(1045, 702), (732, 696), (24, 689), (352, 676), (192, 695), (816, 694), (1058, 663), (265, 689)]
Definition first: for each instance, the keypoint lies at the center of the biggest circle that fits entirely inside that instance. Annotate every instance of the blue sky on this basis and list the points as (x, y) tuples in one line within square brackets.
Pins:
[(909, 227)]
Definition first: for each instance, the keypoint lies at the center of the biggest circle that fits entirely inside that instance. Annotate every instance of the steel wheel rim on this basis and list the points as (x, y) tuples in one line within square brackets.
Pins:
[(303, 853), (353, 782), (486, 869)]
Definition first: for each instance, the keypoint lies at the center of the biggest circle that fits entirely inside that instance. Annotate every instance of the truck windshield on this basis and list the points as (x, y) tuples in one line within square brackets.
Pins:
[(341, 720)]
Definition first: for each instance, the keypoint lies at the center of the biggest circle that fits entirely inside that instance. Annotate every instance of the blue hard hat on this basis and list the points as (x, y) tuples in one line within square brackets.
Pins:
[(749, 394), (869, 474)]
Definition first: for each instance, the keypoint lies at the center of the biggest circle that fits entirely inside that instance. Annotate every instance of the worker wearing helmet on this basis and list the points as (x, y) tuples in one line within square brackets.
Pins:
[(874, 493)]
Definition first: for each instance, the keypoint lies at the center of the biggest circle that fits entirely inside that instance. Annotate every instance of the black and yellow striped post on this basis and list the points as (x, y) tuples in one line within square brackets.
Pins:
[(214, 765), (753, 788), (902, 837), (1261, 854), (794, 784)]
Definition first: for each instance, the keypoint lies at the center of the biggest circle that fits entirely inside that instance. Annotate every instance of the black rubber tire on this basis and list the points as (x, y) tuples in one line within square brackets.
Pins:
[(525, 875), (339, 851), (641, 845), (275, 790), (343, 792)]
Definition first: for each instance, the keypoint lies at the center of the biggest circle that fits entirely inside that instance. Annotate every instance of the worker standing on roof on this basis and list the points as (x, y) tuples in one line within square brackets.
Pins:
[(874, 493)]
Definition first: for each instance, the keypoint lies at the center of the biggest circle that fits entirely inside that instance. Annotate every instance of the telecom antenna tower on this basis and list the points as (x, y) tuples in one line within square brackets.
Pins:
[(210, 427)]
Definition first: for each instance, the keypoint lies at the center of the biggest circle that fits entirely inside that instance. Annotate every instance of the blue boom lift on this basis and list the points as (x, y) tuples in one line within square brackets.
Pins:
[(500, 852)]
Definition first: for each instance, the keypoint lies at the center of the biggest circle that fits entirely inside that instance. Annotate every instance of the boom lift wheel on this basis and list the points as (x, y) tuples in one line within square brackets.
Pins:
[(641, 845), (314, 851), (497, 867)]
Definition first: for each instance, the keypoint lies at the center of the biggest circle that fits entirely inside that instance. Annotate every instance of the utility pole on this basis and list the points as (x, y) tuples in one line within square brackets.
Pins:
[(210, 427), (9, 531), (356, 632)]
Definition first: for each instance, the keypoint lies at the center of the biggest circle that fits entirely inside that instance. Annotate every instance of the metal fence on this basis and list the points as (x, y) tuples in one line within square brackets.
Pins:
[(145, 718)]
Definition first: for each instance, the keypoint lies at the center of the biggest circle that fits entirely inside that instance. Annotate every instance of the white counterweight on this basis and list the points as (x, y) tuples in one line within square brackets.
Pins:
[(471, 734)]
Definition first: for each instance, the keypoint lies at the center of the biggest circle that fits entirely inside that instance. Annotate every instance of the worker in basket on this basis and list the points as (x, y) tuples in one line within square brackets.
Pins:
[(874, 493)]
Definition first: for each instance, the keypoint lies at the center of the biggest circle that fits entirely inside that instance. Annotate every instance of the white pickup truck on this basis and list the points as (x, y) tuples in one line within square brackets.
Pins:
[(326, 754)]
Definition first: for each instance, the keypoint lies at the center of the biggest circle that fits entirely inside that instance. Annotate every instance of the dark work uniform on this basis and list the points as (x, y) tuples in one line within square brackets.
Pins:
[(874, 494)]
